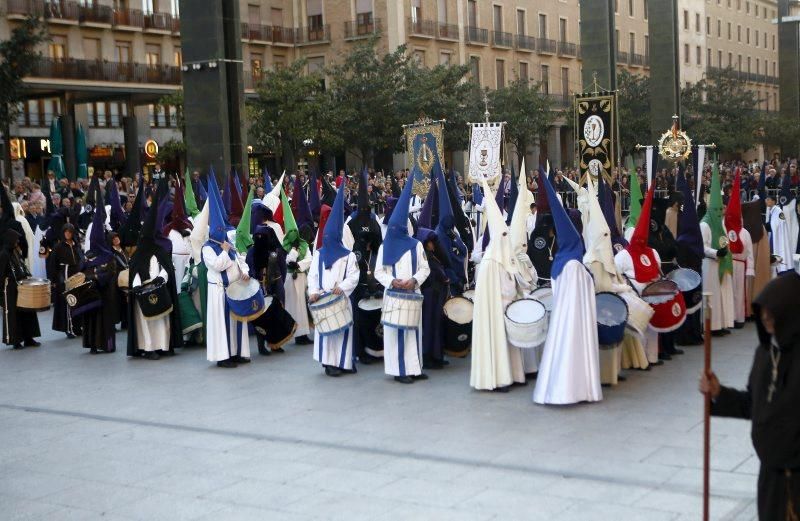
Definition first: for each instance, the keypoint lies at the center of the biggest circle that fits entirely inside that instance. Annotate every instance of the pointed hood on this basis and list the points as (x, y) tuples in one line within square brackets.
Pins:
[(462, 222), (99, 251), (363, 193), (604, 197), (313, 196), (118, 217), (570, 245), (636, 198), (129, 231), (244, 237), (425, 218), (513, 195), (267, 181), (179, 222), (202, 194), (599, 247), (234, 195), (499, 248), (291, 238), (237, 183), (522, 203), (453, 249), (397, 241), (162, 207), (332, 231), (227, 195), (302, 210), (733, 216), (713, 218), (199, 234), (499, 200), (786, 196), (217, 224), (689, 235), (189, 201), (645, 265), (324, 213), (391, 202), (542, 198)]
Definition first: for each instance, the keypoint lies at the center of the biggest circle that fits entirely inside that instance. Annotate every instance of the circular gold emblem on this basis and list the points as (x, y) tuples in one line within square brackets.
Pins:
[(153, 299)]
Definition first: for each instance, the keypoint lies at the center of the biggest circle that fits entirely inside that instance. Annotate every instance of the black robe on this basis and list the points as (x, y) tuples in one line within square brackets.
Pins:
[(775, 424), (63, 262), (98, 324), (18, 324), (435, 291), (367, 239), (121, 310)]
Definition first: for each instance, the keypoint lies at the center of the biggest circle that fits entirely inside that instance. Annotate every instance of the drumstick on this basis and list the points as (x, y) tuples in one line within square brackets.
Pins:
[(707, 405)]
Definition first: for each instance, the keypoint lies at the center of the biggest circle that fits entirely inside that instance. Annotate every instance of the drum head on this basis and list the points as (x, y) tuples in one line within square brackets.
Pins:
[(611, 309), (686, 279), (526, 311), (326, 299), (660, 291), (32, 281), (459, 310), (545, 296), (370, 304), (243, 290)]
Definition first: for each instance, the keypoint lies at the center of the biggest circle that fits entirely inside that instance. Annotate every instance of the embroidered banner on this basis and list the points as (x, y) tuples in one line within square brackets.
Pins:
[(485, 151)]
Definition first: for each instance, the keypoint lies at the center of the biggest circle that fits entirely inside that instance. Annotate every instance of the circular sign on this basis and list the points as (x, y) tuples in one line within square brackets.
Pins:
[(723, 241), (732, 236), (676, 310), (539, 243), (593, 130), (595, 167), (151, 148), (645, 260), (487, 164)]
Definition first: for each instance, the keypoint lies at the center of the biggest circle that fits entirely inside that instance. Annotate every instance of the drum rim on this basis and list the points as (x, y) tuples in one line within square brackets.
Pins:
[(625, 302), (406, 295), (358, 304), (505, 313), (326, 303)]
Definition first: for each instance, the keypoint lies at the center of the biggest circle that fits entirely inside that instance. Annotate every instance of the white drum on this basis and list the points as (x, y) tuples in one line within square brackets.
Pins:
[(526, 323), (370, 304), (639, 312), (331, 314), (402, 309), (469, 294), (545, 296)]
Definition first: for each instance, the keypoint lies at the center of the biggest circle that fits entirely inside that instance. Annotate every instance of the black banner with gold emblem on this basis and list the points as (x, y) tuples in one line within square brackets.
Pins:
[(596, 132)]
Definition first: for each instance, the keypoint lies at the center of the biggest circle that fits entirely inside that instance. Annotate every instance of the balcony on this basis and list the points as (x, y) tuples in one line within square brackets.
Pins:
[(96, 70), (312, 35), (567, 49), (622, 58), (476, 35), (158, 22), (96, 14), (52, 10), (361, 28), (501, 39), (422, 28), (561, 101), (448, 32), (637, 60), (525, 43), (545, 46), (646, 60), (133, 18)]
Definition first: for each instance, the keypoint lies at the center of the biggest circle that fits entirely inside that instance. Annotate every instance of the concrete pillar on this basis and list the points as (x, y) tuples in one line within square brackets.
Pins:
[(788, 71), (598, 49), (554, 146), (68, 137), (665, 90), (130, 131)]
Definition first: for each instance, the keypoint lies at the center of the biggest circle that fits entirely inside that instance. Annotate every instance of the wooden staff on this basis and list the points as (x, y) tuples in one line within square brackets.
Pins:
[(707, 406)]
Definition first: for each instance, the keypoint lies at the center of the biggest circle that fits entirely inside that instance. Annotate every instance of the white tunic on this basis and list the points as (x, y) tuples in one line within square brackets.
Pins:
[(402, 348), (334, 350), (39, 265), (721, 290), (181, 253), (226, 337), (625, 267), (295, 289), (780, 244), (743, 267), (152, 334), (570, 367)]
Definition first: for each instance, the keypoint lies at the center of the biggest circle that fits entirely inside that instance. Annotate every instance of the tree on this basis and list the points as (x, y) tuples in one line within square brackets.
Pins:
[(777, 129), (527, 111), (719, 109), (634, 110), (18, 56), (174, 148), (291, 108)]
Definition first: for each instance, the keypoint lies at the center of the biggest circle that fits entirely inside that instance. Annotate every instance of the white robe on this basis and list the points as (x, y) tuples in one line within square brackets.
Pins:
[(779, 239), (721, 290), (402, 348), (295, 289), (570, 367), (743, 267), (790, 213), (181, 253), (226, 337), (334, 350), (650, 341), (152, 334), (39, 264)]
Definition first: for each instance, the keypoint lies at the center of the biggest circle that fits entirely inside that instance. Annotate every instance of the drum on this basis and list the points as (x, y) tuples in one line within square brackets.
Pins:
[(190, 317), (612, 315), (74, 281), (639, 312), (370, 325), (276, 325), (83, 298), (668, 305), (545, 296), (690, 283), (526, 323), (33, 294), (458, 325), (469, 294), (154, 300), (245, 300), (402, 309), (123, 280), (331, 314)]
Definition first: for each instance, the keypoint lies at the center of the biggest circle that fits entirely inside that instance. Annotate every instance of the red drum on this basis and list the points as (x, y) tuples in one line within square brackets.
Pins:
[(668, 305)]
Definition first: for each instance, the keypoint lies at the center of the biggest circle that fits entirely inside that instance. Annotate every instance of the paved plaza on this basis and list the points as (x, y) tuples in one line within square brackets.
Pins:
[(87, 437)]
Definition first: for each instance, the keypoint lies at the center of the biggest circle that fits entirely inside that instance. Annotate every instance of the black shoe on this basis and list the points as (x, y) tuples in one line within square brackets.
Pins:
[(303, 340), (726, 332), (18, 346), (520, 384), (153, 355), (240, 359), (421, 376), (655, 364), (719, 332), (333, 371), (404, 379), (92, 351), (167, 352), (503, 389), (621, 378), (228, 364), (32, 343), (368, 359), (263, 351), (738, 325), (278, 350), (531, 376), (664, 356), (676, 352), (70, 336)]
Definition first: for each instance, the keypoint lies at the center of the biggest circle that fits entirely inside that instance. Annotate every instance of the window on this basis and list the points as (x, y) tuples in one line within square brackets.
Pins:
[(441, 10), (497, 17), (444, 58), (698, 56), (730, 59), (475, 68), (501, 73), (747, 7), (686, 20), (523, 71), (316, 65), (647, 45), (773, 42), (708, 25), (177, 56), (111, 114), (472, 13), (708, 57), (254, 14), (756, 38), (632, 43), (256, 64), (419, 56), (747, 35), (276, 17), (416, 11), (644, 9), (748, 65), (758, 66), (719, 28), (630, 7), (739, 62), (719, 59), (314, 13), (278, 62), (738, 33), (542, 26), (153, 55), (545, 79), (616, 39), (562, 29), (729, 31), (616, 6), (686, 53), (565, 81), (91, 48), (521, 26), (57, 48), (122, 52), (697, 22)]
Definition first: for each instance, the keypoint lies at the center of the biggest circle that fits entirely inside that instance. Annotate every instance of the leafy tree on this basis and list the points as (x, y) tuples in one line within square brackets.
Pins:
[(776, 129), (527, 111), (18, 56), (633, 94), (719, 109)]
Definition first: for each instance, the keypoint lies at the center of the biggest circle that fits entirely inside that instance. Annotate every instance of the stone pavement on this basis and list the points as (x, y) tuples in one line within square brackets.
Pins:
[(102, 437)]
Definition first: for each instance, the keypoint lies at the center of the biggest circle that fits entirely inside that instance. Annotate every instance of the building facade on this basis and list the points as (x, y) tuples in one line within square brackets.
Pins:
[(110, 61)]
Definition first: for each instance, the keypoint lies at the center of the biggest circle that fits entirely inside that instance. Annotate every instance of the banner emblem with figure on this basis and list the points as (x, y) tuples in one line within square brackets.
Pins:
[(485, 155), (596, 132), (424, 148)]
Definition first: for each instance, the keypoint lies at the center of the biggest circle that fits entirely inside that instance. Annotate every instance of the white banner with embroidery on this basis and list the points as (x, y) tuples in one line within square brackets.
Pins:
[(485, 155)]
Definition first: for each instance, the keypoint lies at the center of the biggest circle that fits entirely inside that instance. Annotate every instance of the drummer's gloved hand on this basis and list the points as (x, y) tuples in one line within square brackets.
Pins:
[(293, 266), (722, 252), (158, 280)]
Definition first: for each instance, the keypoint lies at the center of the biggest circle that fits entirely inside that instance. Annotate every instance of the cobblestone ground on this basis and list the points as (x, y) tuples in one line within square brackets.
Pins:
[(104, 437)]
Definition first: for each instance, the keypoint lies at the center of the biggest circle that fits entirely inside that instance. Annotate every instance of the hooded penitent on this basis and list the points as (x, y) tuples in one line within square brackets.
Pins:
[(460, 219), (236, 206), (599, 247), (513, 194), (244, 238), (733, 217), (713, 218), (570, 245), (428, 217), (218, 225), (314, 202), (689, 239), (606, 200), (189, 200), (100, 252), (450, 241), (499, 199), (636, 205), (324, 213), (397, 241), (645, 265), (118, 216), (332, 247), (303, 217), (8, 220), (129, 232), (202, 193), (363, 223), (291, 238), (179, 221)]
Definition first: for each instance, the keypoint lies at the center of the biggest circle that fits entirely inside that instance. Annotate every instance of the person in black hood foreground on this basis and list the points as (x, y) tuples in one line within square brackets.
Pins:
[(18, 324), (771, 400)]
